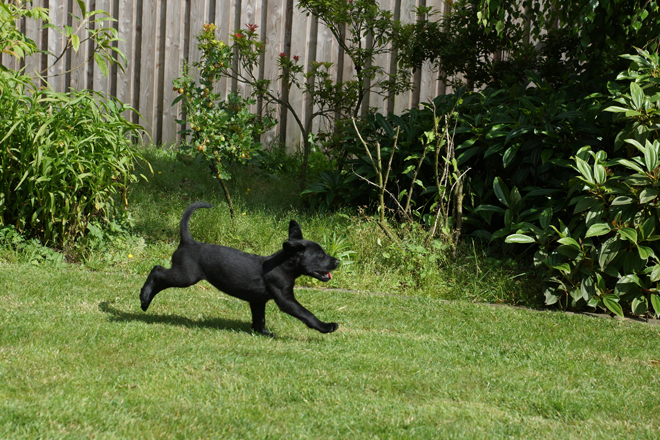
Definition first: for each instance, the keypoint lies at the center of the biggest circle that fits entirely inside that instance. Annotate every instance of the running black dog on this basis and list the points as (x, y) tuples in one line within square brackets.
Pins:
[(252, 278)]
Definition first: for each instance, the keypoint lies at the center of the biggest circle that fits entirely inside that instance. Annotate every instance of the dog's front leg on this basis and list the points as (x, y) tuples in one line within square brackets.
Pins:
[(259, 318), (288, 304)]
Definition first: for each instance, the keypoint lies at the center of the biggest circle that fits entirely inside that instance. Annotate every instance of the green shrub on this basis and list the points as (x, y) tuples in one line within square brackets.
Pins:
[(224, 131), (66, 160), (605, 252)]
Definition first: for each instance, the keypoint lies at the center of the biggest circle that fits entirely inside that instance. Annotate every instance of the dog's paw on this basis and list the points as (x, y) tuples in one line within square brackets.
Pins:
[(329, 327), (264, 332), (145, 299)]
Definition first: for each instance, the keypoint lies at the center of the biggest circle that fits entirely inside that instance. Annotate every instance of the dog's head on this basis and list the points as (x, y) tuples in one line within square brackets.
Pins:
[(312, 259)]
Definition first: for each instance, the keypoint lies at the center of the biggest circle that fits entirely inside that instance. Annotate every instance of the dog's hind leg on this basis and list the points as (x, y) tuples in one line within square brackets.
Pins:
[(259, 318), (161, 279)]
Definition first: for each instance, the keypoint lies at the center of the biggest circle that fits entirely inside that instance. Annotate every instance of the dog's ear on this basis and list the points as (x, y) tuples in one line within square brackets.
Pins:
[(293, 246), (295, 233)]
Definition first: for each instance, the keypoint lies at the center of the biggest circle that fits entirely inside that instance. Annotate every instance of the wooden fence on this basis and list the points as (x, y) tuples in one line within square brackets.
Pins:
[(159, 35)]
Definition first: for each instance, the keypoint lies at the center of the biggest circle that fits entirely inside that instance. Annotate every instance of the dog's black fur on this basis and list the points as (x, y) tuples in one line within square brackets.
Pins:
[(252, 278)]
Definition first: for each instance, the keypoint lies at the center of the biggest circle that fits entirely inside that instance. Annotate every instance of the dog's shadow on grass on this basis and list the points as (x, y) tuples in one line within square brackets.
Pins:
[(116, 315)]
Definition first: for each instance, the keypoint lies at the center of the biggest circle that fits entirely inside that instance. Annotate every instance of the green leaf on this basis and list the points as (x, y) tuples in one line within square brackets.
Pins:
[(489, 208), (584, 169), (568, 241), (588, 288), (597, 230), (639, 305), (501, 191), (630, 164), (551, 296), (655, 274), (629, 234), (82, 6), (563, 267), (645, 252), (75, 42), (102, 64), (584, 203), (638, 96), (623, 200), (499, 27), (612, 303), (545, 218), (600, 175), (519, 238), (576, 294), (655, 302), (514, 197), (651, 155), (608, 252), (647, 195), (594, 216), (636, 144), (616, 109), (626, 284)]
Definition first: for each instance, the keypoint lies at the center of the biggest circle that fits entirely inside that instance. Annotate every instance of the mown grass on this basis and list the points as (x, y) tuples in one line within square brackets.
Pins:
[(79, 359)]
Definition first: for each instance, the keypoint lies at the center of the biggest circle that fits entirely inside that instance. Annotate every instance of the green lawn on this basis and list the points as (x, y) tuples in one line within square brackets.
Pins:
[(79, 359)]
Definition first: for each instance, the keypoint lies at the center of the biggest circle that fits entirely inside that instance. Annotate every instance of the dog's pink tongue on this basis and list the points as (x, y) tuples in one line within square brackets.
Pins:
[(329, 275)]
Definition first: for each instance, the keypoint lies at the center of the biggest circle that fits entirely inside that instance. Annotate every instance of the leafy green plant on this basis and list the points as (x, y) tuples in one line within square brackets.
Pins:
[(105, 52), (493, 42), (339, 247), (363, 30), (607, 255), (222, 130), (12, 40), (67, 159)]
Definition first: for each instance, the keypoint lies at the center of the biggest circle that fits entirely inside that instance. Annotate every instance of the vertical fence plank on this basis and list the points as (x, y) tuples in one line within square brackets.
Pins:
[(224, 19), (407, 15), (325, 52), (251, 14), (273, 37), (32, 63), (198, 16), (126, 25), (172, 68), (79, 58), (147, 91), (101, 83), (56, 43), (299, 31)]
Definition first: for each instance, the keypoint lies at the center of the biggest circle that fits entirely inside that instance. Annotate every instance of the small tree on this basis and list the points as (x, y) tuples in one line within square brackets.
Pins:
[(350, 22), (224, 131)]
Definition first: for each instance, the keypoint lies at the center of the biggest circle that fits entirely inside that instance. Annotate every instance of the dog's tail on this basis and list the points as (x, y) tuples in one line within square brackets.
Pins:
[(186, 238)]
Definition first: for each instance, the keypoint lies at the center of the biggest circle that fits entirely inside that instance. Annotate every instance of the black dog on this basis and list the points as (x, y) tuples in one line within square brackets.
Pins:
[(252, 278)]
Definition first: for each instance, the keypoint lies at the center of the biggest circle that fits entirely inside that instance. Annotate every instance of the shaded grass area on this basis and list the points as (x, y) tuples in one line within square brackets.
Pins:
[(79, 359)]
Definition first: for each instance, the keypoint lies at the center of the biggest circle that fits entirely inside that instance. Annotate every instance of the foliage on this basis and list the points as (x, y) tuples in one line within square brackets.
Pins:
[(66, 160), (276, 161), (492, 42), (92, 23), (606, 254), (419, 153), (223, 131), (12, 40), (351, 23)]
